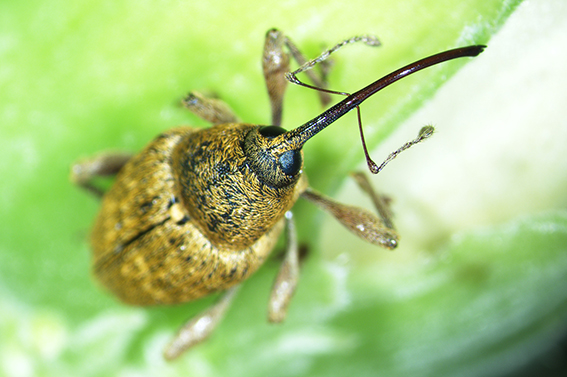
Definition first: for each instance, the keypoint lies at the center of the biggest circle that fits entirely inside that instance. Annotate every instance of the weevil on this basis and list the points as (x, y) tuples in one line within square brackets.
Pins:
[(199, 210)]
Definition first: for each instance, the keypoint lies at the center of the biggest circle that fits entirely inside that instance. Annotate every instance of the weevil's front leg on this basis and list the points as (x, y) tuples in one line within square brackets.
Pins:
[(199, 328), (212, 110), (381, 202), (286, 281), (364, 224), (319, 82), (275, 63), (103, 165), (379, 231)]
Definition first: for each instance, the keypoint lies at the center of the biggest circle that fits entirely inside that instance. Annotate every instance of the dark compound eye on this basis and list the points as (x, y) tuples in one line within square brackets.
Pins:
[(290, 162), (271, 131)]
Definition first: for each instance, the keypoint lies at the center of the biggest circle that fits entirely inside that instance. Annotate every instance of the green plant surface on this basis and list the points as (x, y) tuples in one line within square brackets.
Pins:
[(474, 289)]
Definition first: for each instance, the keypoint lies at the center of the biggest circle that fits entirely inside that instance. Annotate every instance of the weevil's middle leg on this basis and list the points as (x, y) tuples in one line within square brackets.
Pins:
[(103, 165), (212, 110), (200, 327), (286, 281)]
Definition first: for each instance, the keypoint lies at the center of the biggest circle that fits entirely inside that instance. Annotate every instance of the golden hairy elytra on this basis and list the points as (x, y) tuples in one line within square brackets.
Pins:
[(199, 210)]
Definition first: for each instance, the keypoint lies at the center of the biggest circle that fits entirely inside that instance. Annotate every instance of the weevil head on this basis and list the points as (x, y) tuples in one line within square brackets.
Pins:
[(237, 181), (274, 164)]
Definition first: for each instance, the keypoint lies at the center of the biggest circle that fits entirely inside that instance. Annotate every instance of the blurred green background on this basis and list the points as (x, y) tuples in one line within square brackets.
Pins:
[(477, 287)]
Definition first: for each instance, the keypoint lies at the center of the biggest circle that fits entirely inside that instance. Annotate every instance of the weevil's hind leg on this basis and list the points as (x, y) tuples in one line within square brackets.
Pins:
[(286, 281), (364, 224), (103, 165), (381, 202), (199, 328), (212, 110)]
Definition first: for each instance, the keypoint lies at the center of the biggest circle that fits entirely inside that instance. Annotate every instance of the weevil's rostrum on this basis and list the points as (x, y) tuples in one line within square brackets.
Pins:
[(199, 210)]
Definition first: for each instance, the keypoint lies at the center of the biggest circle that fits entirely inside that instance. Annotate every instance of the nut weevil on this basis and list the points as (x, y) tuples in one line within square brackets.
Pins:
[(199, 210)]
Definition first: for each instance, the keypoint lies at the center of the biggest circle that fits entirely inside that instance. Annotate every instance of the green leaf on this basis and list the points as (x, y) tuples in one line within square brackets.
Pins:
[(78, 78), (479, 304)]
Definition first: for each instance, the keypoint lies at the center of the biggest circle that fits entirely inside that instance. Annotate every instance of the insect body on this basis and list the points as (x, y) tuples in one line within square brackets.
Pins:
[(199, 210)]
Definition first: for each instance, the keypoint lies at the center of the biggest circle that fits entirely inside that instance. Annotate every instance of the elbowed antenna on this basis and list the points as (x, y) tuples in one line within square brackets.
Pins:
[(294, 139)]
